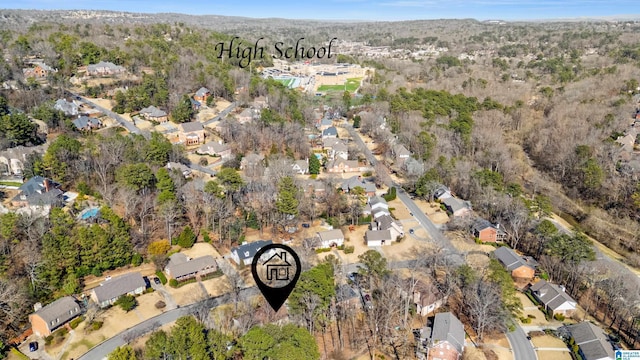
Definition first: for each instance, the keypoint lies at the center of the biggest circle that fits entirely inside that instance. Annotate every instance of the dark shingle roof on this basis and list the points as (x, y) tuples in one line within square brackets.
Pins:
[(202, 91), (591, 340), (331, 131), (119, 286), (191, 126), (59, 311), (551, 295), (248, 250), (510, 259), (447, 327), (180, 266), (83, 121), (378, 235)]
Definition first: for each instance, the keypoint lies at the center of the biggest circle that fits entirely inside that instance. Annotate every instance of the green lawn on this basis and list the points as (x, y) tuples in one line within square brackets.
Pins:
[(285, 82), (10, 183), (352, 86)]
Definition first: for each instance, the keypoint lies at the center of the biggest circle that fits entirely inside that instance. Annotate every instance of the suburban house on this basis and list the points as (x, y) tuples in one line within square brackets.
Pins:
[(181, 267), (247, 115), (201, 95), (485, 231), (386, 222), (335, 148), (39, 192), (181, 168), (12, 159), (442, 193), (457, 207), (46, 320), (592, 341), (69, 108), (519, 267), (251, 161), (378, 237), (315, 187), (85, 123), (357, 181), (443, 340), (427, 297), (191, 133), (378, 205), (110, 290), (300, 167), (104, 68), (195, 104), (324, 123), (331, 238), (553, 297), (401, 154), (152, 113), (214, 148), (246, 251), (330, 132), (38, 70), (340, 165)]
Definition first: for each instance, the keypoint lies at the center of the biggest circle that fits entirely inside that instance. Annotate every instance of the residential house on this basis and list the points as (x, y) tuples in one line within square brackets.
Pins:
[(46, 320), (12, 160), (386, 222), (427, 297), (592, 341), (442, 193), (191, 133), (376, 205), (401, 154), (343, 166), (357, 181), (39, 192), (553, 297), (518, 266), (347, 298), (181, 267), (335, 148), (181, 168), (330, 132), (86, 123), (443, 340), (152, 113), (331, 238), (251, 160), (104, 68), (69, 108), (485, 231), (109, 291), (315, 187), (195, 104), (300, 167), (201, 95), (324, 123), (247, 115), (214, 148), (244, 253), (457, 207), (38, 70), (378, 237)]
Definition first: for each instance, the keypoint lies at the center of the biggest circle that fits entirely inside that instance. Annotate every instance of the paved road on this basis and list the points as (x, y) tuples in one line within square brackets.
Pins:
[(222, 114), (521, 346), (102, 350)]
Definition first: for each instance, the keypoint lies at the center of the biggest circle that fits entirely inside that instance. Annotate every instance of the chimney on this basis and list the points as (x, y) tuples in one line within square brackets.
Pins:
[(47, 185), (37, 306)]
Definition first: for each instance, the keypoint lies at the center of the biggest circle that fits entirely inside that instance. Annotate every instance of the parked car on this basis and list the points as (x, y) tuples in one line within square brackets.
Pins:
[(367, 297), (156, 280), (33, 346), (305, 225), (410, 231)]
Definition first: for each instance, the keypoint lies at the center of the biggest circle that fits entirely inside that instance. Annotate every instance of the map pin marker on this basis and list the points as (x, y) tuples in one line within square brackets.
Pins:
[(276, 269)]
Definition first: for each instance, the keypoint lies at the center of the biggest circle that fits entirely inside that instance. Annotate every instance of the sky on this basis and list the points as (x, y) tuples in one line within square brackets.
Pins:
[(379, 10)]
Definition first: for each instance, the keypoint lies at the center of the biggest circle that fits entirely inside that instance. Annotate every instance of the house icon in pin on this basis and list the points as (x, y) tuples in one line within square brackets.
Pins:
[(278, 267)]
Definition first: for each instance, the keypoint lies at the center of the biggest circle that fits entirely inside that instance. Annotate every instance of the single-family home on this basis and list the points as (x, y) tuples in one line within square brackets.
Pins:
[(324, 123), (485, 231), (457, 207), (300, 167), (201, 95), (12, 160), (376, 205), (518, 266), (47, 319), (441, 339), (39, 191), (378, 237), (357, 181), (195, 104), (247, 115), (331, 238), (340, 165), (214, 148), (181, 168), (314, 187), (86, 123), (442, 193), (251, 161), (244, 253), (427, 297), (386, 222), (110, 290), (553, 297), (401, 154), (104, 68), (181, 267), (191, 133), (38, 70), (152, 113), (335, 148), (69, 108), (330, 132), (592, 341)]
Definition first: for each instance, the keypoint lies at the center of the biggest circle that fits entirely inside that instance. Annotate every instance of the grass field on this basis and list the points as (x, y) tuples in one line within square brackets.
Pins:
[(352, 86), (285, 82)]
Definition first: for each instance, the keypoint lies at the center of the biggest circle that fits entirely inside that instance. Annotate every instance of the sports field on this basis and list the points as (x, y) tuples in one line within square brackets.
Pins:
[(351, 86), (286, 82)]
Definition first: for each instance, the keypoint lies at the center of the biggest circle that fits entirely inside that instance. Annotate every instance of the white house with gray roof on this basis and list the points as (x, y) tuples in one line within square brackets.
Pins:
[(554, 298), (69, 108), (104, 68), (331, 238), (246, 251), (109, 291), (181, 267)]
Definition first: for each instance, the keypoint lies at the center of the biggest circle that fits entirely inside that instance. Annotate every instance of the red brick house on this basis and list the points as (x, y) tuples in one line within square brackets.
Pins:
[(487, 232), (519, 267), (201, 95), (47, 319)]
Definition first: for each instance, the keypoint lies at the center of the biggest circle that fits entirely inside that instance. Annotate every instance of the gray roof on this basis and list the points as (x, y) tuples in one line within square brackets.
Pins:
[(212, 148), (59, 311), (34, 191), (345, 292), (481, 224), (37, 185), (330, 235), (179, 265), (447, 327), (191, 126), (109, 65), (202, 91), (378, 200), (118, 286), (385, 222), (551, 295), (591, 340), (67, 107), (454, 204), (353, 182), (510, 259), (248, 250), (153, 111), (401, 151), (378, 235), (331, 131), (84, 121), (302, 164)]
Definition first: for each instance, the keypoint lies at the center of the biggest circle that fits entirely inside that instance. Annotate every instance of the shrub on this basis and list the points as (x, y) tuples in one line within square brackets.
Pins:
[(349, 249), (531, 316), (160, 275), (159, 247), (526, 320), (341, 247), (48, 340), (96, 325), (205, 236), (212, 275), (558, 317), (75, 322), (173, 283), (136, 259), (390, 195), (322, 250), (160, 304), (187, 237), (126, 302), (203, 161), (62, 332)]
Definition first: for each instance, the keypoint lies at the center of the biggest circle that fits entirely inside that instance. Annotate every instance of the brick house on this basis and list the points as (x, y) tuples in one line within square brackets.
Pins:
[(201, 95), (152, 113), (181, 268), (487, 232), (109, 291), (519, 267), (46, 320), (191, 133), (441, 339)]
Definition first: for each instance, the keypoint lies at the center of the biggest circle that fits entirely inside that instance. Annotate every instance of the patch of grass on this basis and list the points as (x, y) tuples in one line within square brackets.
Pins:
[(213, 275), (17, 353), (160, 275), (351, 86), (10, 183)]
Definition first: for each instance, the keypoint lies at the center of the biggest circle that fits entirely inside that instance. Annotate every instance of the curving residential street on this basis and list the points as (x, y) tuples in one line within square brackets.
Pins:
[(520, 345)]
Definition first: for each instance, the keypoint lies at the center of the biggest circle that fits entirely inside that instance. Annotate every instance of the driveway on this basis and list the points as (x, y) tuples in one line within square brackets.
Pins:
[(521, 346), (168, 299)]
